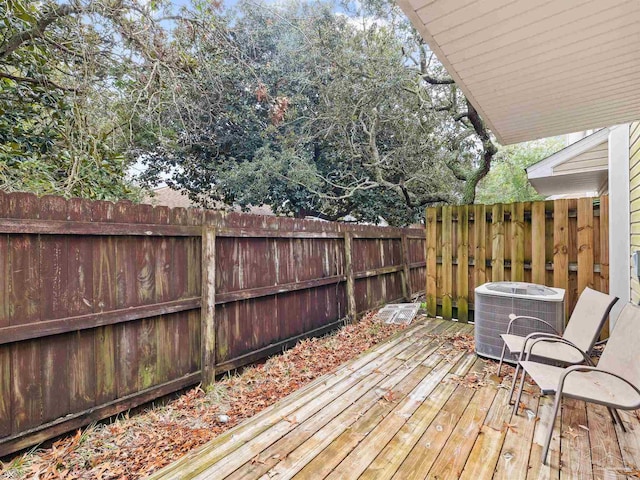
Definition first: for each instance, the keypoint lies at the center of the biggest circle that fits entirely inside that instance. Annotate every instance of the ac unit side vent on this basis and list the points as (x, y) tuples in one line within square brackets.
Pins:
[(492, 316)]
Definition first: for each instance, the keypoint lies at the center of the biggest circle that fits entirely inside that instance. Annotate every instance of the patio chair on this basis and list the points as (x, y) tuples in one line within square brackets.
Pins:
[(614, 382), (580, 335)]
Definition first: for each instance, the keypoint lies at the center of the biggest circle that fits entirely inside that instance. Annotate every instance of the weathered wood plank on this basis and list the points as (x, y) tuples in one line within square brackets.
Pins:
[(514, 456), (54, 297), (208, 309), (352, 310), (538, 243), (497, 240), (430, 255), (25, 309), (517, 242), (82, 377), (453, 456), (53, 429), (480, 251), (104, 300), (406, 272), (483, 457), (537, 470), (462, 296), (17, 333), (585, 243), (267, 436), (561, 248), (5, 320), (425, 452), (604, 254), (200, 459), (606, 457), (287, 461), (574, 441), (447, 263), (78, 227)]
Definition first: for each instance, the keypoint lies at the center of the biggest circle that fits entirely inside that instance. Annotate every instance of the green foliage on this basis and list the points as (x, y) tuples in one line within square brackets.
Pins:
[(308, 111), (62, 106), (507, 181)]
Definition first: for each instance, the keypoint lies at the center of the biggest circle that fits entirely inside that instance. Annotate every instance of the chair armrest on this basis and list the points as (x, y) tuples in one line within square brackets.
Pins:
[(591, 368), (535, 335), (557, 340), (515, 318)]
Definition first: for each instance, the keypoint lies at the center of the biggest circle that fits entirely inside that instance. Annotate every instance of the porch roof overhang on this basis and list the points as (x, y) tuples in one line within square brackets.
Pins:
[(538, 68)]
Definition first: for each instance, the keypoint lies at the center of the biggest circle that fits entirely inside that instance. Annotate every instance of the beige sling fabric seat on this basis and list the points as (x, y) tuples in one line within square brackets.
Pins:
[(583, 329), (614, 382)]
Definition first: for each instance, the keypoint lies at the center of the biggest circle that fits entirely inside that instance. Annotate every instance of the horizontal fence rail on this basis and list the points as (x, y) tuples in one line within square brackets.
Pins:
[(105, 306), (560, 243)]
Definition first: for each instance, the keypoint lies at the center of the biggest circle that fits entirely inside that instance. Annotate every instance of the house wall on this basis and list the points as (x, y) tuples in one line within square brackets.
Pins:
[(594, 158), (634, 199)]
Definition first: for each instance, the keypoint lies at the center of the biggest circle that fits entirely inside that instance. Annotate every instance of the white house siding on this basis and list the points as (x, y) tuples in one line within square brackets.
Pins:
[(596, 158)]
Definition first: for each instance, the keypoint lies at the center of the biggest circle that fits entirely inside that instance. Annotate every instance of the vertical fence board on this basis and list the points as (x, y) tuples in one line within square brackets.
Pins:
[(517, 242), (406, 273), (585, 243), (497, 240), (480, 227), (604, 252), (447, 264), (5, 350), (82, 380), (462, 300), (548, 243), (431, 259), (53, 287), (104, 299), (561, 247), (24, 291), (127, 333), (538, 243)]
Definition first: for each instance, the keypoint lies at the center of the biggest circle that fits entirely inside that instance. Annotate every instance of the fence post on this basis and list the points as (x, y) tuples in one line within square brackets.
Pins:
[(406, 270), (208, 308), (348, 270)]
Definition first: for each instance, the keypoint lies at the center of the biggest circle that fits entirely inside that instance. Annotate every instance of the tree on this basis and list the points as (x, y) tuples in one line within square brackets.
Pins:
[(72, 74), (507, 181), (318, 114)]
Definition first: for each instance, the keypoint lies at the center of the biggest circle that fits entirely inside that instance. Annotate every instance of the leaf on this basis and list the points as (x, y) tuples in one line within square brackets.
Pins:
[(510, 427)]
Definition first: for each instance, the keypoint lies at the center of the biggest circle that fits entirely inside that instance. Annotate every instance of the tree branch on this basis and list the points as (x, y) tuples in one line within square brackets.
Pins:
[(18, 39), (42, 82), (437, 81)]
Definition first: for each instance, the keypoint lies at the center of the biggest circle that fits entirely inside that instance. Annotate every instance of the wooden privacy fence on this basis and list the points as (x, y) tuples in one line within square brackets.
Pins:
[(560, 243), (100, 303)]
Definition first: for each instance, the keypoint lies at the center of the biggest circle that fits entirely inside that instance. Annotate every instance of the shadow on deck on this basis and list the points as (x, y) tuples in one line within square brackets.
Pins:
[(421, 405)]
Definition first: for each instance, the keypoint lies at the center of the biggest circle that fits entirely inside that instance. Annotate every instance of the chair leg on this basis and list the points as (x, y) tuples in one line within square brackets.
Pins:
[(517, 404), (616, 418), (513, 382), (547, 443), (504, 349)]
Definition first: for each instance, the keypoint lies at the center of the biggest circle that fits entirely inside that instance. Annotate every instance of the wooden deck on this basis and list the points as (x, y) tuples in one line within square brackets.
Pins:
[(412, 409)]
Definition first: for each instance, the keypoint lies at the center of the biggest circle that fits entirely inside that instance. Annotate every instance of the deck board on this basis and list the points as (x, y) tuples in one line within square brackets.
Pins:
[(411, 408)]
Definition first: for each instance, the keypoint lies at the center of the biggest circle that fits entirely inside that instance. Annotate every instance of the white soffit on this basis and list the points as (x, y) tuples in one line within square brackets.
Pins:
[(538, 68)]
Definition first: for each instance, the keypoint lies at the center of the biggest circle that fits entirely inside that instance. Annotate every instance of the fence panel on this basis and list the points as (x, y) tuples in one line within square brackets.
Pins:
[(561, 243), (100, 303)]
